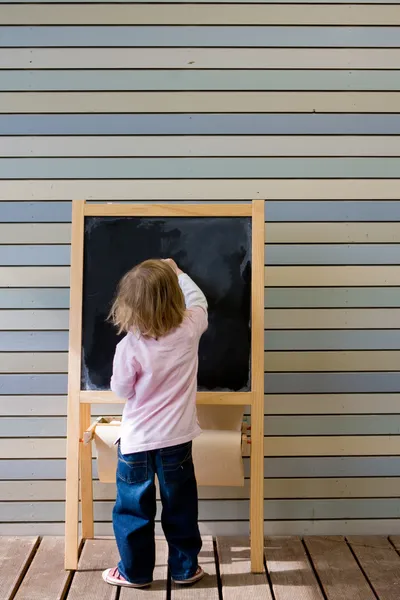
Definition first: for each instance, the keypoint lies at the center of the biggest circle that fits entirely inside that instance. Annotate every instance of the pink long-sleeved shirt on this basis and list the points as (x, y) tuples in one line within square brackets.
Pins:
[(158, 379)]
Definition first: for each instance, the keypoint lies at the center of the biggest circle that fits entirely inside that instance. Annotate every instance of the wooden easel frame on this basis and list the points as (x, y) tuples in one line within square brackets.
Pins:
[(79, 456)]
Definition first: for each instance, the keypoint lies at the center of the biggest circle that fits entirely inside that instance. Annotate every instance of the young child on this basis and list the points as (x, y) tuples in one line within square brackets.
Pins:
[(155, 370)]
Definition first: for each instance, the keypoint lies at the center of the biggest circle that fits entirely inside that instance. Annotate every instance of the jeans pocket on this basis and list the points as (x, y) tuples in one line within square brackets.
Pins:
[(132, 468), (177, 463)]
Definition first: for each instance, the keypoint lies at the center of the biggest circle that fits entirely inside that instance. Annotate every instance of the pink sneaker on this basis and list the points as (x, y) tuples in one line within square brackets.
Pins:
[(196, 577), (114, 577)]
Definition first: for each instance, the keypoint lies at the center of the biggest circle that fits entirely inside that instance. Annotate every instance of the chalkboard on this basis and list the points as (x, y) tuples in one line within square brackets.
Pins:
[(214, 251)]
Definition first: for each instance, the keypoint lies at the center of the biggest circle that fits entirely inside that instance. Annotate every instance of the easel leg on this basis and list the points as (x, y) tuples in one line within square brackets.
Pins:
[(257, 498), (76, 416), (86, 477), (257, 386), (72, 492)]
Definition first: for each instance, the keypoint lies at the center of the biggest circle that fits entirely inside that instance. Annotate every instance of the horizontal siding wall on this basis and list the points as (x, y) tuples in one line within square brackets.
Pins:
[(294, 102)]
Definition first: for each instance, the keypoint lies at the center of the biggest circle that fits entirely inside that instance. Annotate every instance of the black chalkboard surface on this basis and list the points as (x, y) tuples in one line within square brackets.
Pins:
[(214, 251)]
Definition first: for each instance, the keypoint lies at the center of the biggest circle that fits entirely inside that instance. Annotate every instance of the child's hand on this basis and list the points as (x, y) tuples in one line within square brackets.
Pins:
[(173, 265)]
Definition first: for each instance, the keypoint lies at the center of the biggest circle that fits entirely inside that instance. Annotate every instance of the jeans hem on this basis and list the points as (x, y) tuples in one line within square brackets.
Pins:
[(185, 576), (142, 581)]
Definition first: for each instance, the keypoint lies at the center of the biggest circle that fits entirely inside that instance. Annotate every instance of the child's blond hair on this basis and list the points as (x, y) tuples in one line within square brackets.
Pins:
[(149, 300)]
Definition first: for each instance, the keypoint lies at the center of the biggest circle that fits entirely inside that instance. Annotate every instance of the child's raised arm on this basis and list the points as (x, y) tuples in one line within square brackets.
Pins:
[(194, 297), (195, 301), (193, 294), (125, 370)]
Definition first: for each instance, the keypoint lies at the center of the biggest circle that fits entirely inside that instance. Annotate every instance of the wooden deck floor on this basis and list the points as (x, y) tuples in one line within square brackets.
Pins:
[(315, 568)]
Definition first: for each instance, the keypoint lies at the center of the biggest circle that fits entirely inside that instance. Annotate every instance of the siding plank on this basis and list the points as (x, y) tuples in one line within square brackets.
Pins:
[(331, 466), (18, 213), (201, 124), (32, 405), (210, 14), (199, 58), (210, 1), (33, 362), (202, 168), (330, 488), (32, 427), (321, 425), (331, 446), (34, 233), (34, 298), (301, 297), (346, 212), (324, 318), (30, 341), (210, 145), (286, 404), (330, 339), (329, 254), (48, 405), (54, 384), (32, 469), (330, 361), (17, 255), (317, 383), (238, 189), (200, 102), (214, 37), (34, 319), (229, 79), (34, 276), (333, 233), (333, 276), (34, 448)]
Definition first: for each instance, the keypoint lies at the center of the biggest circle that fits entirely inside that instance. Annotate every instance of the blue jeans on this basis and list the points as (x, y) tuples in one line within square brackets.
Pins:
[(135, 510)]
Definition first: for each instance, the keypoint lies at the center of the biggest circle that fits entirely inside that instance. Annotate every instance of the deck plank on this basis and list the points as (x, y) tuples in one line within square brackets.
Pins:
[(46, 578), (381, 564), (158, 589), (207, 588), (87, 583), (337, 569), (15, 555), (235, 568), (395, 539), (291, 574)]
